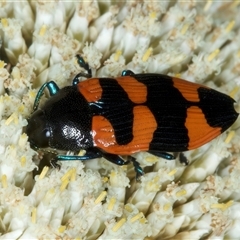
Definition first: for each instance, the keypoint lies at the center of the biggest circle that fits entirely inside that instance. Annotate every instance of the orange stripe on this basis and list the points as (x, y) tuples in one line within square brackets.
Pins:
[(187, 89), (199, 132), (90, 89), (137, 92), (144, 125)]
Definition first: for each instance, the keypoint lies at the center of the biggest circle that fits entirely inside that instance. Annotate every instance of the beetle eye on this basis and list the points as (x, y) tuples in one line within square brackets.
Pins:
[(37, 130)]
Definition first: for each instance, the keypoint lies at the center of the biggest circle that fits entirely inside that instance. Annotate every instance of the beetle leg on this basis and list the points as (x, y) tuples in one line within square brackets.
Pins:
[(116, 159), (119, 161), (81, 62), (90, 154), (96, 153), (127, 73), (164, 155), (52, 88), (76, 78), (139, 171)]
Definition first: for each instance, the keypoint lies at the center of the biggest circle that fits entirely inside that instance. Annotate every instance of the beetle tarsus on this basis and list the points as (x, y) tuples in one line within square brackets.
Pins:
[(182, 159), (139, 171), (116, 159)]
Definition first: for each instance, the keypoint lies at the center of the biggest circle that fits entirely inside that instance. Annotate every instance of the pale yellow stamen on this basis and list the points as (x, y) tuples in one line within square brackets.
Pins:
[(44, 172), (184, 29), (13, 117), (181, 193), (213, 55), (64, 185), (43, 30), (4, 22), (32, 94), (151, 159), (4, 181), (234, 91), (22, 140), (128, 208), (2, 64), (230, 26), (34, 215), (61, 229), (117, 55), (172, 172), (10, 119), (223, 206), (101, 197), (153, 15), (105, 179), (147, 54), (111, 203), (167, 206), (153, 185), (82, 152), (113, 174), (119, 224), (235, 4), (67, 175), (23, 161), (229, 137), (207, 5), (137, 217), (21, 108), (143, 220)]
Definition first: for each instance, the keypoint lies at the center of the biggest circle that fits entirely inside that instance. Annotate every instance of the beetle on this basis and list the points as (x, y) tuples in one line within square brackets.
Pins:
[(111, 117)]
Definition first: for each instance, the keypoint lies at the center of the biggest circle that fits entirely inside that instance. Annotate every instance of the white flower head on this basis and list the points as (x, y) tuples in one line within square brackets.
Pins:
[(97, 199)]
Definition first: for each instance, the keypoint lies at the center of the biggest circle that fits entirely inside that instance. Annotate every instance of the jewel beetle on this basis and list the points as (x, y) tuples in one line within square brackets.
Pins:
[(111, 117)]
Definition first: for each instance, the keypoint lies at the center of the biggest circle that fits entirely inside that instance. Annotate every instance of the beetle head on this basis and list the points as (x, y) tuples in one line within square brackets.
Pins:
[(38, 131)]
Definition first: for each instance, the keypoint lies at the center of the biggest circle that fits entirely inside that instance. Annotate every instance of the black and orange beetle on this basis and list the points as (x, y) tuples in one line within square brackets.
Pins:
[(135, 112)]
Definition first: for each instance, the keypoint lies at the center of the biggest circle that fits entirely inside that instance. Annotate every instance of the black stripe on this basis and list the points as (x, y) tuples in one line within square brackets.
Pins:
[(117, 108), (169, 109), (217, 107)]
